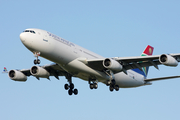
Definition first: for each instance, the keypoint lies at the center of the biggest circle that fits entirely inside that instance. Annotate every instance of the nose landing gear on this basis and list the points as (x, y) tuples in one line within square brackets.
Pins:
[(37, 61)]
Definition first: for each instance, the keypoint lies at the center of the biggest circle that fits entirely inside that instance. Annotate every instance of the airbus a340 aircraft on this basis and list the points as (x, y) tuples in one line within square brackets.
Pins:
[(71, 60)]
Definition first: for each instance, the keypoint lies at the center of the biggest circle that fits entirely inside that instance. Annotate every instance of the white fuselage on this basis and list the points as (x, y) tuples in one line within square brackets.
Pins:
[(72, 58)]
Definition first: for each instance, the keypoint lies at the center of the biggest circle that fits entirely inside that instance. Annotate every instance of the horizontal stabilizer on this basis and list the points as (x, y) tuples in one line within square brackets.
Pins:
[(162, 78)]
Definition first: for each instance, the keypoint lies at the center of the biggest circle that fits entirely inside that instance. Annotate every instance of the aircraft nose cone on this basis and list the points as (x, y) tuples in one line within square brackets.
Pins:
[(22, 37)]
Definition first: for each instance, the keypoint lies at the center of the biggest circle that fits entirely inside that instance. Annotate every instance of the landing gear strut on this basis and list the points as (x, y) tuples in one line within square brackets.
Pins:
[(37, 61), (111, 83), (70, 86)]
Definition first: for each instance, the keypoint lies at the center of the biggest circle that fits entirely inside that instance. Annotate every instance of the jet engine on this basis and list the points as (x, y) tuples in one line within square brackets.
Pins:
[(39, 72), (112, 65), (17, 76), (168, 60)]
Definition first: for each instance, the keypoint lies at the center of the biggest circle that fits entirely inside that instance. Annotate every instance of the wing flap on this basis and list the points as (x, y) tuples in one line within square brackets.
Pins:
[(141, 64), (96, 64)]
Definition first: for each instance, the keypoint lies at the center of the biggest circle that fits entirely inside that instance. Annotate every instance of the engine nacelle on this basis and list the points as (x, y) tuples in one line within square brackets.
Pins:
[(112, 65), (17, 76), (39, 72), (168, 60)]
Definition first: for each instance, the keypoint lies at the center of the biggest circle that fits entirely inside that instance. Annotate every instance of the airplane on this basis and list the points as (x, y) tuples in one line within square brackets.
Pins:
[(71, 60)]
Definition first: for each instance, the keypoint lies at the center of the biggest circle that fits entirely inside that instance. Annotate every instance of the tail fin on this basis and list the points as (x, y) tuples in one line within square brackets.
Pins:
[(148, 51), (5, 70)]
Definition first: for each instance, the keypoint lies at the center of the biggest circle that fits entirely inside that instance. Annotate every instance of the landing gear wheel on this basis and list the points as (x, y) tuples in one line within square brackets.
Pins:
[(116, 88), (66, 86), (71, 86), (37, 61), (91, 86), (70, 92), (108, 82), (111, 88), (75, 91), (95, 86)]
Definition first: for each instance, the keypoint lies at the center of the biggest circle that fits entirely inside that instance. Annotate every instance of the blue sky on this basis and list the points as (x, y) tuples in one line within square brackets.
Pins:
[(111, 28)]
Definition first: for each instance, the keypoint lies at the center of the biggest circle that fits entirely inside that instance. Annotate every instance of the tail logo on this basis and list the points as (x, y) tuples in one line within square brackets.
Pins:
[(150, 50)]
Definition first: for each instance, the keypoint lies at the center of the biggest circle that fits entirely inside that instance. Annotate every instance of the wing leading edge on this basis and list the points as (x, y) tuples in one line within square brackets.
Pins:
[(132, 62), (53, 70)]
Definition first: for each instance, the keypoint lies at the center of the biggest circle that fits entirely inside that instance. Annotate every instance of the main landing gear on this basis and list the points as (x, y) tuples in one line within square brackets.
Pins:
[(93, 84), (37, 61), (70, 86), (112, 85)]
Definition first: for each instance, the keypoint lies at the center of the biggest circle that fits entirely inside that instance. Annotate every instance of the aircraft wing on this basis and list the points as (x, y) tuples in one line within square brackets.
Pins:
[(54, 70), (134, 62)]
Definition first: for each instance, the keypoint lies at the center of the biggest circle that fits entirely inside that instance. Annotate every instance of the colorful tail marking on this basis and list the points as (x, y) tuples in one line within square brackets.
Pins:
[(5, 70), (148, 51)]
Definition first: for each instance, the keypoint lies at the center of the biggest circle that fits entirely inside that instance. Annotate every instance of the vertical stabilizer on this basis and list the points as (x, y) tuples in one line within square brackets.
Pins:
[(148, 51), (5, 70)]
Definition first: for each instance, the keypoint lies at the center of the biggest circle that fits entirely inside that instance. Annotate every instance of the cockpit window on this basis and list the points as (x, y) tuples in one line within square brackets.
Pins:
[(26, 31), (31, 31)]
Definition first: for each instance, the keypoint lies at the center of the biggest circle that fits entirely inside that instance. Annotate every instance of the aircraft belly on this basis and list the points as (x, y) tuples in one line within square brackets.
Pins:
[(79, 69), (129, 80)]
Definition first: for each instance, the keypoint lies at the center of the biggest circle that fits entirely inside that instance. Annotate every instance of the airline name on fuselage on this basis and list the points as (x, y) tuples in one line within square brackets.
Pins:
[(60, 39)]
